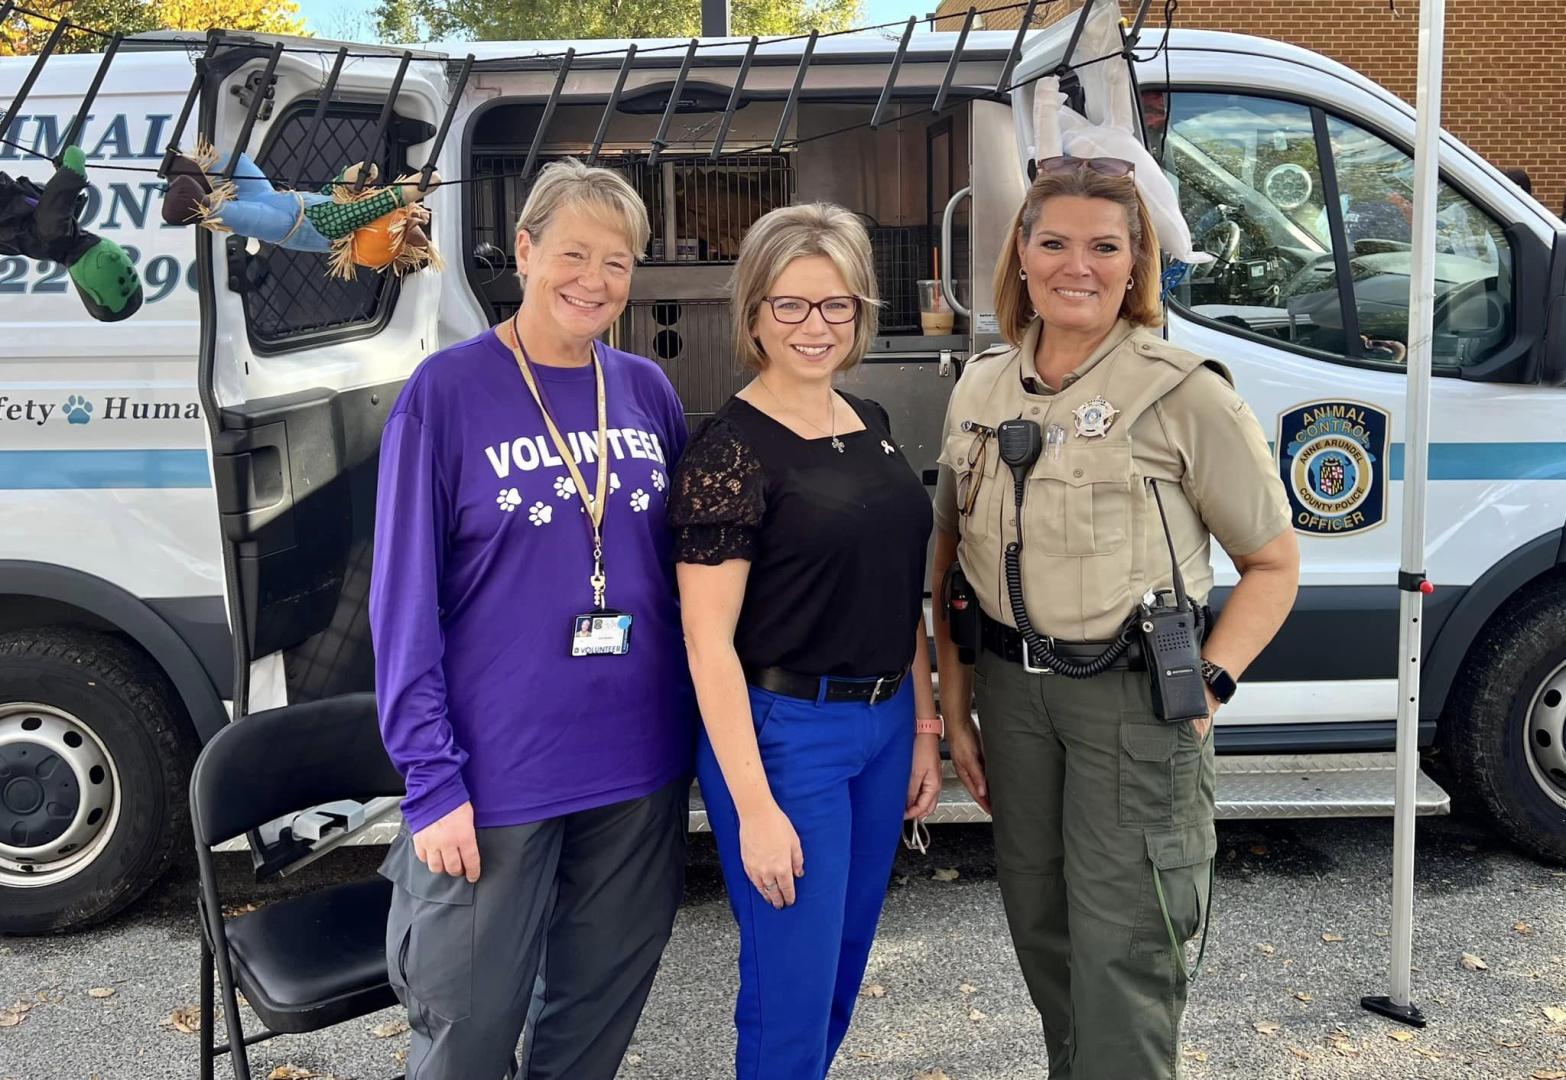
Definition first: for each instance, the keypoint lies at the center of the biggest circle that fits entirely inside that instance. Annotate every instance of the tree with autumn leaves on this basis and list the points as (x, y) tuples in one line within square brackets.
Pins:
[(24, 34), (535, 20)]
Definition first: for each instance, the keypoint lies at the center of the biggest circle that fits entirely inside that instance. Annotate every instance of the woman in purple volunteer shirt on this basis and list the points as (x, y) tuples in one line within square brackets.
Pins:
[(530, 669)]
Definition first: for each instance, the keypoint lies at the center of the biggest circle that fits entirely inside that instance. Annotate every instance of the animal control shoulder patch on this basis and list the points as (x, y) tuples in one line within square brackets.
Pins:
[(1332, 456)]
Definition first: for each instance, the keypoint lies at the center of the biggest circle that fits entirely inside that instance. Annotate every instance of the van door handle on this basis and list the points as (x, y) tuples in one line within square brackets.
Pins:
[(246, 272), (946, 246)]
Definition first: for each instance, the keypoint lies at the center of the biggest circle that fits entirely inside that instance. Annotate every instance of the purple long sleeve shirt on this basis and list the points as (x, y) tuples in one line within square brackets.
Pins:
[(482, 558)]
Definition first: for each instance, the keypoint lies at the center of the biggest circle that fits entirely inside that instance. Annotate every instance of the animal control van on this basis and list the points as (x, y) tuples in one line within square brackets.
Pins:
[(1289, 169)]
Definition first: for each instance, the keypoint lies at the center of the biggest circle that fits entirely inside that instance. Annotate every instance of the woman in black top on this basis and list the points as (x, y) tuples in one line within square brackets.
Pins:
[(800, 549)]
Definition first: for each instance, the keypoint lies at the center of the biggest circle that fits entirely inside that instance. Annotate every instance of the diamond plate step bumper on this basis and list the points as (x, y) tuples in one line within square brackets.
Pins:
[(1249, 786)]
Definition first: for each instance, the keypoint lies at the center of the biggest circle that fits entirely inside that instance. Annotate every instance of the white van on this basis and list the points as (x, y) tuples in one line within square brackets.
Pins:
[(1279, 156)]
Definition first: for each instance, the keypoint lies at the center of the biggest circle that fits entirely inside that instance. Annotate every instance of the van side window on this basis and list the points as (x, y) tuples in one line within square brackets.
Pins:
[(292, 301), (1254, 176)]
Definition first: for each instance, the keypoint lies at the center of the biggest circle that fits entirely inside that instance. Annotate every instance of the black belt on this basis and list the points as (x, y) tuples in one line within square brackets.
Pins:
[(1006, 643), (808, 687)]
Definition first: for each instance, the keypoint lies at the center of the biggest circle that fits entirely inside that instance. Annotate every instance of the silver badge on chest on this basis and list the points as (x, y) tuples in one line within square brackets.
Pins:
[(1094, 417)]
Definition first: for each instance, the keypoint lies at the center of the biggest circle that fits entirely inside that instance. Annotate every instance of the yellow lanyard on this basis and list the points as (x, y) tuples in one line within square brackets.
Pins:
[(594, 503)]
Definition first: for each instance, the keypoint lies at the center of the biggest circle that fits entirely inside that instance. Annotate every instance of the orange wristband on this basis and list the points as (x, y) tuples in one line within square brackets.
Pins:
[(929, 725)]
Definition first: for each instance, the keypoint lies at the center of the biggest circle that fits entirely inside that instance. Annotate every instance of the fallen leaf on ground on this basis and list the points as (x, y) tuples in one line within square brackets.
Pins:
[(1329, 938), (1258, 849), (101, 992), (1522, 928), (874, 990), (1548, 1074), (1555, 1014), (1299, 1052), (230, 910), (294, 1072), (931, 1074), (630, 1059), (1267, 1027), (945, 874), (186, 1020), (1433, 1055), (1195, 1054), (1400, 1036), (1262, 946), (1509, 1045), (9, 1018), (1303, 996), (1473, 963), (401, 1056), (975, 1015), (968, 988), (389, 1029)]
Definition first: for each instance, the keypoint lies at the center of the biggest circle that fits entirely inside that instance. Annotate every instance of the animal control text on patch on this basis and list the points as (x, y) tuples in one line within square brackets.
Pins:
[(1332, 456)]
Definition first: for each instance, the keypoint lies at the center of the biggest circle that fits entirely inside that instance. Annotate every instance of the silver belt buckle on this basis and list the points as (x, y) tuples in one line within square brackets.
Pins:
[(875, 693), (1027, 660)]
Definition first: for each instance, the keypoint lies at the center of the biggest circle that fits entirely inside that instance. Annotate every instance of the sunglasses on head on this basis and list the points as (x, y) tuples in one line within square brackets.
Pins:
[(1104, 166)]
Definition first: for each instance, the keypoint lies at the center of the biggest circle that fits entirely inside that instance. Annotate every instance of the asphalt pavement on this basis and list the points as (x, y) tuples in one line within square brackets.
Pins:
[(1300, 933)]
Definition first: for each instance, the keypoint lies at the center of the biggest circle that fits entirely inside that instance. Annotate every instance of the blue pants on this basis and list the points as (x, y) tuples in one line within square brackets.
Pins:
[(840, 773), (261, 211)]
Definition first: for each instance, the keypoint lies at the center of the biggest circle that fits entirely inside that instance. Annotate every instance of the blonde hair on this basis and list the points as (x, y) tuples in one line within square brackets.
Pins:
[(1141, 307), (607, 195), (795, 232)]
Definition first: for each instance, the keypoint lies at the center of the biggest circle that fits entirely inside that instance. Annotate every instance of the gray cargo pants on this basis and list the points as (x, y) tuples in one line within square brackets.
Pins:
[(1090, 793), (561, 934)]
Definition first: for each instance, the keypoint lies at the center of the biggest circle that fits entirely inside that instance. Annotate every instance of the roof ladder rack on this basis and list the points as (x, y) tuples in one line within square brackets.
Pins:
[(387, 108), (171, 151), (1003, 84), (549, 113), (319, 116), (74, 132), (793, 94), (32, 76), (734, 100), (660, 140), (891, 77), (445, 122), (255, 108), (614, 103), (951, 65)]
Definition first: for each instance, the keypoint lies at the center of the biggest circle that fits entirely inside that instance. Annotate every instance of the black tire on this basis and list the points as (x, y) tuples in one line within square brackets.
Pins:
[(1485, 731), (105, 696)]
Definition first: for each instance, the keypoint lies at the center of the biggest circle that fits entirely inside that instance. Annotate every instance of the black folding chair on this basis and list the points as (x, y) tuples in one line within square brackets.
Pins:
[(311, 961)]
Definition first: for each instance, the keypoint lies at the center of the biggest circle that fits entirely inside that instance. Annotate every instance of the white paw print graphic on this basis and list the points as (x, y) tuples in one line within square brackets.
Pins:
[(614, 482), (640, 500), (658, 479), (508, 499), (565, 487), (540, 513)]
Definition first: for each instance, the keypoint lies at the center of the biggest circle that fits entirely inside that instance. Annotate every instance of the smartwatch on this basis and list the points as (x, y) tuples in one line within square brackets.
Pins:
[(1219, 680)]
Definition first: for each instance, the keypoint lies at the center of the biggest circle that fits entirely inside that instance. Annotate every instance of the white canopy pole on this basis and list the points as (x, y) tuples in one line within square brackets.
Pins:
[(1416, 446)]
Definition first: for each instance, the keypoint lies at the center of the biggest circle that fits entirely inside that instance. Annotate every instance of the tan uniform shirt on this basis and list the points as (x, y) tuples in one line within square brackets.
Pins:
[(1092, 541)]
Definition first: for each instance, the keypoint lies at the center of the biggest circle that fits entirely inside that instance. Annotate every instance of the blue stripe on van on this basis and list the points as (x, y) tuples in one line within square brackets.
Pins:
[(52, 470), (1490, 461), (1484, 461)]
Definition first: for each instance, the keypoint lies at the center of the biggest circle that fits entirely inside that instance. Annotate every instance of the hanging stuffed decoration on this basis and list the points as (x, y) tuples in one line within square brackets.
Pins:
[(379, 227), (1109, 128), (40, 223)]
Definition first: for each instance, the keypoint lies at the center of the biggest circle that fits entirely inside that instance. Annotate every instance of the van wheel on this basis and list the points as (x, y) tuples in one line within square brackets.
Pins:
[(94, 762), (1504, 732)]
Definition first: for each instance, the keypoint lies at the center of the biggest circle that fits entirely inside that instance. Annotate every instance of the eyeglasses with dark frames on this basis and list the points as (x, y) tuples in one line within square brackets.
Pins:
[(796, 309)]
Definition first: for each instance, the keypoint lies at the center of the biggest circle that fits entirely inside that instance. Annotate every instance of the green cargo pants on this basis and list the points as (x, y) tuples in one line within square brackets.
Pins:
[(1090, 793)]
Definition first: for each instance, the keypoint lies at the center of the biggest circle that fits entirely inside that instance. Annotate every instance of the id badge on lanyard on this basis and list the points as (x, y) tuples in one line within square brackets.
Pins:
[(601, 631)]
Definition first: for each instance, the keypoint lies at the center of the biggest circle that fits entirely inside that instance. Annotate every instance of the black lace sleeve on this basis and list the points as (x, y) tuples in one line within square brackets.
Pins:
[(719, 497)]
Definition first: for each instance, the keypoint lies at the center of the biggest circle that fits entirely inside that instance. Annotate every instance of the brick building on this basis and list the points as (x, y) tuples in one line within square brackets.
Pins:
[(1504, 85)]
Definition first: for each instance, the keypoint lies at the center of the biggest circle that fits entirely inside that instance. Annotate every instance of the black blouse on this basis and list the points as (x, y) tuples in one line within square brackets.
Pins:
[(836, 542)]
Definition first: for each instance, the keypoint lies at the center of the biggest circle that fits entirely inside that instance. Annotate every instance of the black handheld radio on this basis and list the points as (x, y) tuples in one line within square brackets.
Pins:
[(1172, 644)]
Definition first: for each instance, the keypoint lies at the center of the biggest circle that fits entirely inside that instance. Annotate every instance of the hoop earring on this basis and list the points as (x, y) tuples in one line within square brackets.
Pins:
[(1130, 284), (1021, 273)]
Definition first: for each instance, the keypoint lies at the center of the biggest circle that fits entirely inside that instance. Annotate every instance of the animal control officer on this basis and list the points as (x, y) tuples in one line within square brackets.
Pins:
[(1084, 470)]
